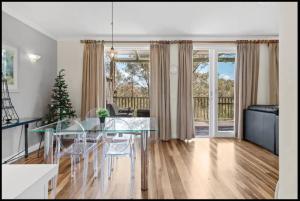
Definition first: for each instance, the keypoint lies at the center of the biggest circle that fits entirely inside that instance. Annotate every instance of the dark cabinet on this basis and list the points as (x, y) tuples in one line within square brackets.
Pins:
[(261, 127)]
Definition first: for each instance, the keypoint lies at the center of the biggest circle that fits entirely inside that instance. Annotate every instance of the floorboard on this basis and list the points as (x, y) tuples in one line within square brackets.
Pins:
[(202, 168)]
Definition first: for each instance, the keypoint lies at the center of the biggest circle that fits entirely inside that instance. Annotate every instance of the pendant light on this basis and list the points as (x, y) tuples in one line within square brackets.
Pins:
[(112, 51)]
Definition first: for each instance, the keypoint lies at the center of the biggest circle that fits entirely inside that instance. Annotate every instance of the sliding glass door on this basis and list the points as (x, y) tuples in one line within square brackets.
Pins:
[(225, 68), (201, 83), (213, 91)]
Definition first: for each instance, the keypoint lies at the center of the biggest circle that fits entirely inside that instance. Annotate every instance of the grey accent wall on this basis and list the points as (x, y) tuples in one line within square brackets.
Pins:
[(35, 80)]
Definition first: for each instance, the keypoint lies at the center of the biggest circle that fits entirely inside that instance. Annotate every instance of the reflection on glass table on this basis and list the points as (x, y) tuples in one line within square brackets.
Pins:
[(143, 126)]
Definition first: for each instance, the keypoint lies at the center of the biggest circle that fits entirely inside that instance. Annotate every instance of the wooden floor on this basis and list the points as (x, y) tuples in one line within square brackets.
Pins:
[(202, 168)]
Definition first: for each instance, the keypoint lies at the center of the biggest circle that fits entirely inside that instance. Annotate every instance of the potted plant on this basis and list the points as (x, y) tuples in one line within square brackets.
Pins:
[(102, 113)]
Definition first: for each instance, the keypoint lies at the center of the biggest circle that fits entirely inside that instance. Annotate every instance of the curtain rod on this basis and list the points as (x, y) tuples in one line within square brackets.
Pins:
[(257, 41), (178, 41)]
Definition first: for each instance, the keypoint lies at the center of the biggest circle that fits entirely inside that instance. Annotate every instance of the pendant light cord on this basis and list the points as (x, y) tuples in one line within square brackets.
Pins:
[(112, 24)]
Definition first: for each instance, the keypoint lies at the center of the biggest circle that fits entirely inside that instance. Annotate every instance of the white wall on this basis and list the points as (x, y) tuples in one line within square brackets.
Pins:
[(35, 80), (288, 134), (70, 58)]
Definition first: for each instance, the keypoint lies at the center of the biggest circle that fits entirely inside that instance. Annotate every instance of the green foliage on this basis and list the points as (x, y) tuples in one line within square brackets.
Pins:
[(135, 82), (225, 88), (201, 85), (102, 113), (60, 106)]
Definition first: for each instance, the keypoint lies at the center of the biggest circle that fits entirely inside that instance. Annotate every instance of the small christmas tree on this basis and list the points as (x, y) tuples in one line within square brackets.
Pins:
[(60, 106)]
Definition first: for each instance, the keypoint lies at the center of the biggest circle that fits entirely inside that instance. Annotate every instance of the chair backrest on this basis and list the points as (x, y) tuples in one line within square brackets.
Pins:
[(113, 109), (113, 137), (91, 113), (79, 134), (143, 113)]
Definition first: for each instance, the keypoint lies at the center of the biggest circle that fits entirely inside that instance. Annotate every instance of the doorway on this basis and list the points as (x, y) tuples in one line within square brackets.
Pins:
[(213, 91)]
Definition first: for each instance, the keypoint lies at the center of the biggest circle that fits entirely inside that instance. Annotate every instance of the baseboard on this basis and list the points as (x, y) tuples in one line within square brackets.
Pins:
[(30, 149)]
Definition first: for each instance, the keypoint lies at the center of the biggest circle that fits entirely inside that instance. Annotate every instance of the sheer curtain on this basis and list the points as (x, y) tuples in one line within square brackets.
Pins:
[(246, 81), (93, 77), (160, 87), (185, 121)]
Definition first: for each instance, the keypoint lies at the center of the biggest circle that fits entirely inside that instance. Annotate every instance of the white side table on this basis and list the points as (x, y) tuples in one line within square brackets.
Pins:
[(21, 181)]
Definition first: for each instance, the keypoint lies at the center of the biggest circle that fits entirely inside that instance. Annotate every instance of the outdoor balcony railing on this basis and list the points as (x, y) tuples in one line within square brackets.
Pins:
[(201, 106), (132, 102), (225, 108)]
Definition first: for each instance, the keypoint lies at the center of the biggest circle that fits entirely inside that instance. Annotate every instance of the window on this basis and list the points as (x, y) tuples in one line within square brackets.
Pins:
[(129, 74)]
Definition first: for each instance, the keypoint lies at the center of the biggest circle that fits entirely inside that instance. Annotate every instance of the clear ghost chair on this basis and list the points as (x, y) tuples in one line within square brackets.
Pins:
[(79, 148), (94, 136), (117, 145)]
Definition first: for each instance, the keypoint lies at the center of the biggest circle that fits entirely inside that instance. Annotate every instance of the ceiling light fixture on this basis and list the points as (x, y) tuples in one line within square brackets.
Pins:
[(112, 51), (33, 57)]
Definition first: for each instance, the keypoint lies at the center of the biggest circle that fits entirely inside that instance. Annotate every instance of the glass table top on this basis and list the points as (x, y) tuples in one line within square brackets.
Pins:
[(112, 124)]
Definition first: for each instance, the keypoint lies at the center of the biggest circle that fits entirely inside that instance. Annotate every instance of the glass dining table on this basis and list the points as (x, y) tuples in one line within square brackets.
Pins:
[(142, 126)]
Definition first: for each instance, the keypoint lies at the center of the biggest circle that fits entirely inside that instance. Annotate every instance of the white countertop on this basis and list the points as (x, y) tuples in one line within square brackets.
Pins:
[(17, 178)]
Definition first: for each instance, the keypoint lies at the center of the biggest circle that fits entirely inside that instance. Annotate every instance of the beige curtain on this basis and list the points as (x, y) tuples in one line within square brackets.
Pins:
[(160, 87), (93, 77), (273, 70), (246, 81), (185, 121)]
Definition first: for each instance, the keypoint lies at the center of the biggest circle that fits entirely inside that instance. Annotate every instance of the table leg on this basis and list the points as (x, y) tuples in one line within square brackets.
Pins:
[(48, 153), (26, 140), (144, 160), (48, 146)]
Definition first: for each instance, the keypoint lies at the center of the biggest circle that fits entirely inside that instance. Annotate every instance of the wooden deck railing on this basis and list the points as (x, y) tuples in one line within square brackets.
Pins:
[(201, 105), (132, 102), (225, 108)]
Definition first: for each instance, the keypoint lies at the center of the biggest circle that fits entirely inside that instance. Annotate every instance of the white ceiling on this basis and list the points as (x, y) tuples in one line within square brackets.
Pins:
[(67, 20)]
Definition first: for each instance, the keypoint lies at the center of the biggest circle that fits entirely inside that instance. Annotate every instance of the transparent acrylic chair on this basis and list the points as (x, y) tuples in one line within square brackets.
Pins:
[(117, 145), (93, 136), (79, 148)]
